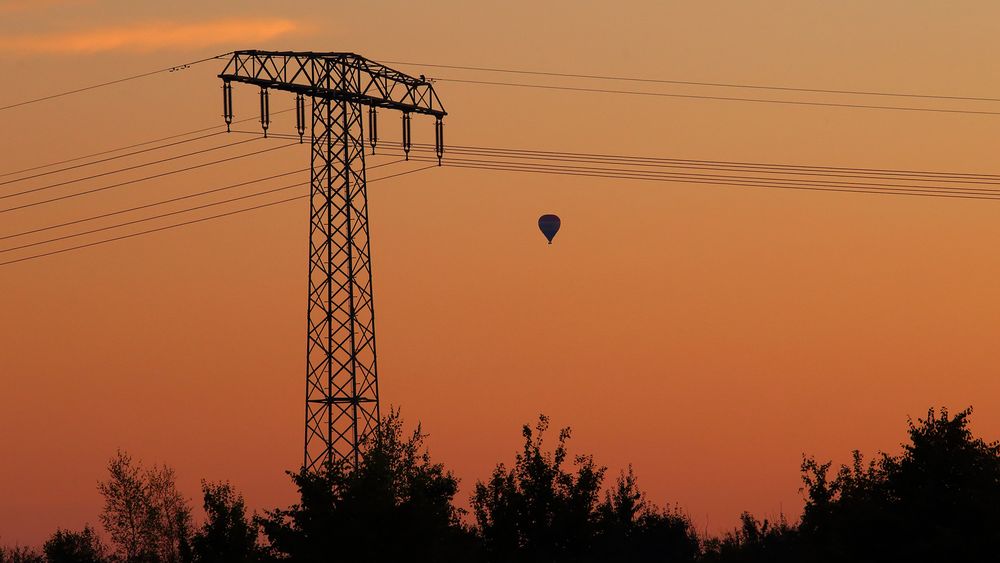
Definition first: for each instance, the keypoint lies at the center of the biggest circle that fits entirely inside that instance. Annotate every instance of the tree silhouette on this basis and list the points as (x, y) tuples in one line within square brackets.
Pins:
[(756, 541), (146, 517), (227, 536), (939, 499), (20, 554), (630, 529), (395, 506), (126, 509), (537, 510), (65, 546), (540, 510), (170, 515)]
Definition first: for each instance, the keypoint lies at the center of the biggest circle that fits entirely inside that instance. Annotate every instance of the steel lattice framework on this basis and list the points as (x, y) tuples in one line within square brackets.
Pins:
[(342, 401)]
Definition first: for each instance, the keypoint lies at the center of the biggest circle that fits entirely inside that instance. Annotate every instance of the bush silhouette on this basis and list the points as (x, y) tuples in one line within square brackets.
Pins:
[(20, 554), (631, 529), (539, 511), (396, 506), (228, 535), (756, 541), (75, 547), (939, 499)]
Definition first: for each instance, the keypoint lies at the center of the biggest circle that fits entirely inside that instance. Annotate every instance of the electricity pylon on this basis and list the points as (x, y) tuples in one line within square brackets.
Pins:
[(342, 408)]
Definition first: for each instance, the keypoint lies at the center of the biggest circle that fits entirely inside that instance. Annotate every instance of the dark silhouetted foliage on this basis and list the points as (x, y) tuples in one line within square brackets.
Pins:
[(938, 500), (66, 546), (539, 511), (20, 554), (146, 517), (228, 535), (631, 529), (755, 541), (396, 506)]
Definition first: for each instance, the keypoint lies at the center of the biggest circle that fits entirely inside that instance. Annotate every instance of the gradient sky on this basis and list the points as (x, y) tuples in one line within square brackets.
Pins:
[(708, 335)]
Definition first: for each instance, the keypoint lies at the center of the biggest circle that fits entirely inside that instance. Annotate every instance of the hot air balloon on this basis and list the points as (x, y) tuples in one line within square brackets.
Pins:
[(549, 225)]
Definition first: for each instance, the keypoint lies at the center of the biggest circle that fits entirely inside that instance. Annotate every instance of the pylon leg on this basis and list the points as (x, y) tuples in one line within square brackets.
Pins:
[(342, 409)]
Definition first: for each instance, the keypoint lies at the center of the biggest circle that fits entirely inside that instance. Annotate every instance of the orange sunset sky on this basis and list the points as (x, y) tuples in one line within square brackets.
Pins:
[(708, 335)]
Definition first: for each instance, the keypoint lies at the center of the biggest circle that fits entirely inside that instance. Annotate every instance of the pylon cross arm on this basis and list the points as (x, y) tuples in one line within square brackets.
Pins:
[(346, 77)]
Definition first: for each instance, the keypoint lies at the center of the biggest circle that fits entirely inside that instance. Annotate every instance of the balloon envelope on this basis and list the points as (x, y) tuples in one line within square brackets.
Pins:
[(549, 225)]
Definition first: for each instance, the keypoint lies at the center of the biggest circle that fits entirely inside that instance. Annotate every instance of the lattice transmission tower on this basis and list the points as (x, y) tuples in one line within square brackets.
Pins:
[(342, 403)]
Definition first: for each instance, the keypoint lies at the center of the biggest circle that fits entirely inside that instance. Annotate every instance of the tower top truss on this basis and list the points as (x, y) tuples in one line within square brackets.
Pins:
[(345, 77)]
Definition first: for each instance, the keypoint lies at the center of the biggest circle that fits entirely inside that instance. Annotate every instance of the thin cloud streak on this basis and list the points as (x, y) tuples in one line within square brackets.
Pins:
[(153, 36)]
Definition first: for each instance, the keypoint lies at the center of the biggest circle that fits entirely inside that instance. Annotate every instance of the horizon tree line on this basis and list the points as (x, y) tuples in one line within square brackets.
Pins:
[(939, 499)]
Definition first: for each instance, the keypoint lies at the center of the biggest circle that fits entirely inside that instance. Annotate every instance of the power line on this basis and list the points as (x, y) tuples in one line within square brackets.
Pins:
[(151, 218), (134, 181), (120, 170), (721, 180), (812, 172), (131, 146), (718, 98), (110, 158), (714, 166), (137, 208), (888, 172), (883, 189), (493, 167), (191, 222), (166, 201), (703, 178), (108, 151), (777, 181), (696, 83), (174, 68), (174, 226), (768, 167)]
